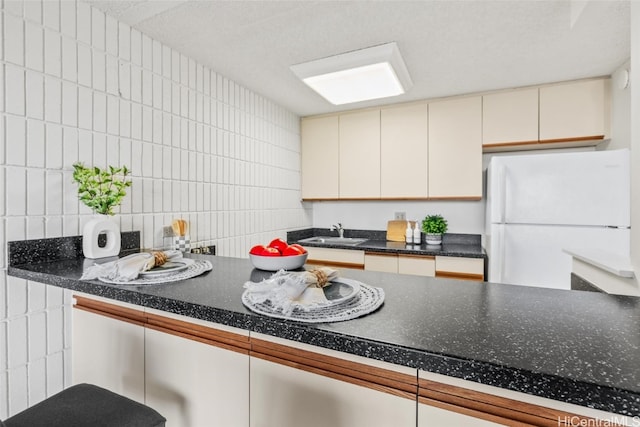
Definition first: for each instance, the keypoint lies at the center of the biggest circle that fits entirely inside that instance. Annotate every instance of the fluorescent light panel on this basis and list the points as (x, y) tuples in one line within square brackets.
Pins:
[(372, 73)]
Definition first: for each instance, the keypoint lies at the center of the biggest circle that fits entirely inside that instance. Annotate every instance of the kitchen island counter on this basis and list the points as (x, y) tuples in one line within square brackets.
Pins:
[(570, 346)]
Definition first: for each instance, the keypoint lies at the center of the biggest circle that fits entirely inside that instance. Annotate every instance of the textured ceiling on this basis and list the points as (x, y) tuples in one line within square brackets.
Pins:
[(450, 47)]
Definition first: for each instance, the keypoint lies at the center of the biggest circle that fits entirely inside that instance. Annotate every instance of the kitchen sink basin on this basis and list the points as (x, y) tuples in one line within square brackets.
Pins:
[(351, 241)]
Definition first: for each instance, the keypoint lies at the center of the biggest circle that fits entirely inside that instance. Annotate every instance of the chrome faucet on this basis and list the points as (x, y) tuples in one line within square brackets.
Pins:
[(339, 229)]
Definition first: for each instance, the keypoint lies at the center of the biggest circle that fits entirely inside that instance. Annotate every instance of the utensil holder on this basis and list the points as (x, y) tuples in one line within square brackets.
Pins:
[(182, 243)]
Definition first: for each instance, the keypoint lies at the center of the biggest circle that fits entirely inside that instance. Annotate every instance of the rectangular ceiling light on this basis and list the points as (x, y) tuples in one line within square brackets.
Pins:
[(361, 75)]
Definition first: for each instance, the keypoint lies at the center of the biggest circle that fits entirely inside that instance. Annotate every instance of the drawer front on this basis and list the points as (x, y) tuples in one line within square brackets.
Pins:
[(417, 265), (387, 263), (460, 268), (336, 256)]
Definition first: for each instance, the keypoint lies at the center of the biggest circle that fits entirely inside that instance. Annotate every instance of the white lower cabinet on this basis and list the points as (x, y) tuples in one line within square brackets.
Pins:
[(417, 265), (332, 257), (195, 384), (432, 416), (292, 386), (387, 263), (109, 353)]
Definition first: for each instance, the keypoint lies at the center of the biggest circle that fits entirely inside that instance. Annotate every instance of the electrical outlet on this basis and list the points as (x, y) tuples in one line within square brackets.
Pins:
[(400, 216), (167, 231)]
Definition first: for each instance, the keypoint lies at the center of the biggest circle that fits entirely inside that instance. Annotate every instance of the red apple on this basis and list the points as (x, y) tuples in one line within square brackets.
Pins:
[(279, 244), (269, 251), (257, 250), (291, 251), (302, 250)]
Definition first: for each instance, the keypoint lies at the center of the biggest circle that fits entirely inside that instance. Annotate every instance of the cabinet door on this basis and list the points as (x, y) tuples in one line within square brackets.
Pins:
[(336, 257), (574, 110), (287, 397), (455, 149), (429, 416), (417, 265), (360, 155), (510, 118), (109, 353), (196, 384), (387, 263), (319, 145), (460, 268), (403, 150)]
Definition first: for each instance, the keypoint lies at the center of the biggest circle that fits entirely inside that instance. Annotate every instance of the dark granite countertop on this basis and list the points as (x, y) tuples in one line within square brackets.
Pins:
[(571, 346), (456, 245)]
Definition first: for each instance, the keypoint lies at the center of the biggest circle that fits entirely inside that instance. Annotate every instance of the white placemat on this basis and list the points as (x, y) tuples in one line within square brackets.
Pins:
[(195, 269), (368, 300)]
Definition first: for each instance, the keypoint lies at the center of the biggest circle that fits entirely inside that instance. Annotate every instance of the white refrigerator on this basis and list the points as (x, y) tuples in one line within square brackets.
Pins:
[(538, 205)]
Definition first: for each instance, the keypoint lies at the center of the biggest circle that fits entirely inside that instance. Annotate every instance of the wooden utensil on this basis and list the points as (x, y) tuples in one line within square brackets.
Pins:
[(179, 227)]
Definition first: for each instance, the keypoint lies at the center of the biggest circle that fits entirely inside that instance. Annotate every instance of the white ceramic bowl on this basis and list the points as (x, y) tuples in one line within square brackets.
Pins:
[(275, 263)]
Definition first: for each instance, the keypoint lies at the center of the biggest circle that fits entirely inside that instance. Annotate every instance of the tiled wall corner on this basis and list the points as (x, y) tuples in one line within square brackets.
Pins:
[(77, 85)]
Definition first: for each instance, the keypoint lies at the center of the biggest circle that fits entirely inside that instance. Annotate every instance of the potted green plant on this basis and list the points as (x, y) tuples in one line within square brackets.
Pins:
[(434, 226), (101, 190)]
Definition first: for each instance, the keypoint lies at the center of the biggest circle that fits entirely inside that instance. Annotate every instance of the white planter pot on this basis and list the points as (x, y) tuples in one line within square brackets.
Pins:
[(92, 229), (433, 239)]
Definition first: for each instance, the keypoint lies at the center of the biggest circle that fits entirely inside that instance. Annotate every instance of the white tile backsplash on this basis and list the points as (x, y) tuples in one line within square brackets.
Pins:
[(76, 85)]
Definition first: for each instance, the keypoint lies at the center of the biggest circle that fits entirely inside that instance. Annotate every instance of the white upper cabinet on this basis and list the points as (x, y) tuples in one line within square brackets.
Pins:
[(320, 147), (574, 110), (510, 118), (455, 148), (403, 150), (360, 155)]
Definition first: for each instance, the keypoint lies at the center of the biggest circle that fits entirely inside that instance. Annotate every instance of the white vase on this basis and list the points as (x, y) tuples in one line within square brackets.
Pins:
[(92, 229), (433, 239)]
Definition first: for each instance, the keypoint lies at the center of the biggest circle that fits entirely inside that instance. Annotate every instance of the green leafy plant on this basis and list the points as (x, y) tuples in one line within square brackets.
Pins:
[(101, 189), (434, 224)]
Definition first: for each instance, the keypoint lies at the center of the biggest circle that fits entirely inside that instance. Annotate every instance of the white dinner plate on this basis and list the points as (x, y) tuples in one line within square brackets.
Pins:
[(169, 267), (341, 290)]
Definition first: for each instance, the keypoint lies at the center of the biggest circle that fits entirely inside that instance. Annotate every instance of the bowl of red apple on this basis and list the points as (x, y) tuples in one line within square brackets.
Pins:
[(278, 255)]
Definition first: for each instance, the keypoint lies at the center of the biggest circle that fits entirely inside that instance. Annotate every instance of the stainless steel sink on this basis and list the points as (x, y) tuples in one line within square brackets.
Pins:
[(351, 241)]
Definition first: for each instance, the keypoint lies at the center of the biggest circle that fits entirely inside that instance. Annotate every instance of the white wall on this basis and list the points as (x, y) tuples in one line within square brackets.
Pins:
[(462, 216), (620, 112), (635, 136), (77, 85)]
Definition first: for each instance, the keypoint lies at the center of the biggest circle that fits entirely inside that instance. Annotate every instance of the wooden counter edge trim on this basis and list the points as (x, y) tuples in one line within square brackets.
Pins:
[(410, 395), (291, 356), (509, 144), (197, 332), (213, 343), (374, 253), (472, 412), (129, 315), (457, 275), (576, 139), (491, 145), (499, 406), (401, 255), (335, 264)]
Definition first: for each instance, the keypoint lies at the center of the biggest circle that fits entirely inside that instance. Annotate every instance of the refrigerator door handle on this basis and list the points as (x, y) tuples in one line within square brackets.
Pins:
[(501, 253), (502, 193)]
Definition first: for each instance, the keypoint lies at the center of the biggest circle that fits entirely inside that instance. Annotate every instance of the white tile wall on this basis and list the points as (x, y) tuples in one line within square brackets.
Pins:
[(78, 85)]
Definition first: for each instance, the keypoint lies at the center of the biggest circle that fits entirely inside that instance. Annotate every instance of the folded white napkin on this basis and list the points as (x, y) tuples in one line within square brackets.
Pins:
[(287, 290), (127, 268)]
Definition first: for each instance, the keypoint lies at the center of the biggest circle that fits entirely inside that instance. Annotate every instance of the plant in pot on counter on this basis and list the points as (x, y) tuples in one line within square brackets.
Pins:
[(434, 226), (101, 190)]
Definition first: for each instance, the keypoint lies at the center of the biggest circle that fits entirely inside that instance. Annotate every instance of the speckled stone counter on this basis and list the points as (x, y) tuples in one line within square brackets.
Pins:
[(571, 346), (457, 245)]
